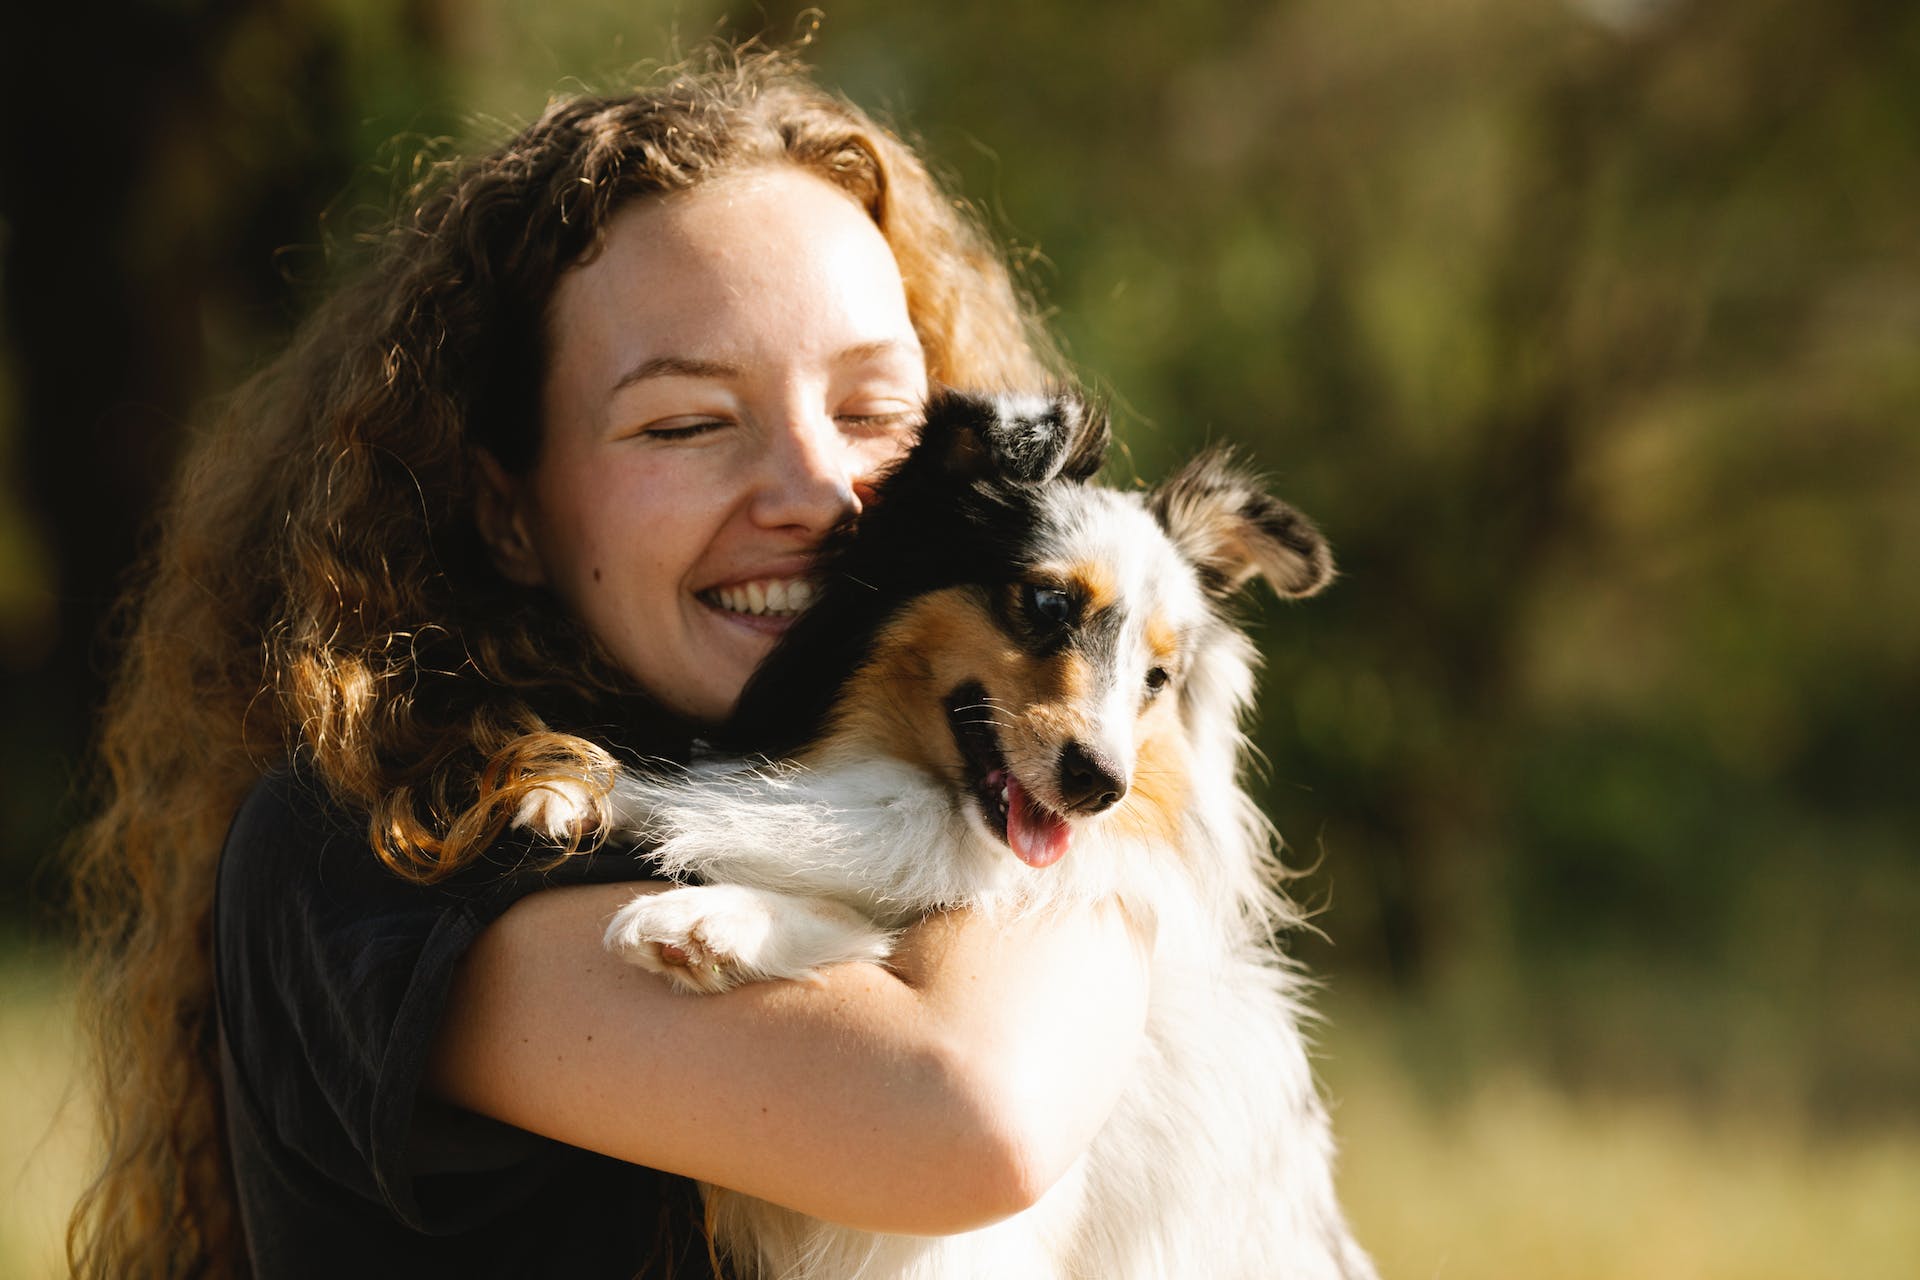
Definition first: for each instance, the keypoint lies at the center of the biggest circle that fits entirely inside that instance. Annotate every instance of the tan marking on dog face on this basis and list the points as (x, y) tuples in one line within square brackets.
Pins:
[(1091, 582), (1095, 583), (1065, 677), (1162, 779), (1163, 639), (1041, 705), (895, 702), (895, 705)]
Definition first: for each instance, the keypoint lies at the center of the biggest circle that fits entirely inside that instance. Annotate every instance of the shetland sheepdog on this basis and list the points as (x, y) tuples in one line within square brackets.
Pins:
[(1034, 678)]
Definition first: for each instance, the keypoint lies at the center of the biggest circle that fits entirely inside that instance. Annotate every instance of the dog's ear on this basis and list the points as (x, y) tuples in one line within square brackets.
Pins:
[(1029, 439), (1223, 519)]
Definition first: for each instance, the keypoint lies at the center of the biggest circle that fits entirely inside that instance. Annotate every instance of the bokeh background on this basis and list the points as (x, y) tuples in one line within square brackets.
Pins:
[(1588, 329)]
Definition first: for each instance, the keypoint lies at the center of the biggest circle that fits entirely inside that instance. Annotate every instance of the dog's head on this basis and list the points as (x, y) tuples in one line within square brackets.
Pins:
[(1040, 642), (955, 509)]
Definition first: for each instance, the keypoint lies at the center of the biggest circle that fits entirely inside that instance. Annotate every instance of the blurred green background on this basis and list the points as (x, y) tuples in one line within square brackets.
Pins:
[(1588, 329)]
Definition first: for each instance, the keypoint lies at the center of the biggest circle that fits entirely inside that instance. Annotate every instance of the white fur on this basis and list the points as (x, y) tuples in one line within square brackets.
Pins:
[(1217, 1161), (726, 934), (559, 809)]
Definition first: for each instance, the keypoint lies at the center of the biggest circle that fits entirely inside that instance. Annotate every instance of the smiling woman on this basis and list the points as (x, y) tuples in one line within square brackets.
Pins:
[(537, 492), (729, 371)]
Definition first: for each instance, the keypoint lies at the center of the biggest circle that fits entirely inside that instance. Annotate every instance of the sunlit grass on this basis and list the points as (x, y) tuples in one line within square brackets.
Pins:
[(1510, 1181), (43, 1121), (1514, 1180)]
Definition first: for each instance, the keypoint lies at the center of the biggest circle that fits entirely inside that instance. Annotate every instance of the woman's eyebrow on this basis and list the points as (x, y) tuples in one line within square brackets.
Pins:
[(675, 367), (862, 352)]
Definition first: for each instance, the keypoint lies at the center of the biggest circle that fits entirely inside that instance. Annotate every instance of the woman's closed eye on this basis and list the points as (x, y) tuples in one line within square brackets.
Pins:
[(684, 427), (881, 421), (882, 407)]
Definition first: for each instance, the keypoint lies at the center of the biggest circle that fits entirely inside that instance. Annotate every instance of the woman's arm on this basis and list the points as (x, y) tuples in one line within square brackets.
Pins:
[(940, 1095)]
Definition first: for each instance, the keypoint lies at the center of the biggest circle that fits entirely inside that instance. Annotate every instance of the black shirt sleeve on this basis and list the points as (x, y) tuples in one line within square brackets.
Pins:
[(332, 975)]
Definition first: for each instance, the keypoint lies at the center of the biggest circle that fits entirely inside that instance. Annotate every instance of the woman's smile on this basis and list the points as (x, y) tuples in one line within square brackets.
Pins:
[(769, 601)]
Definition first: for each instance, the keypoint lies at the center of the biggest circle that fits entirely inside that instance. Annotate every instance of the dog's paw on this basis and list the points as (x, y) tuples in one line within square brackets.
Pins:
[(704, 939), (710, 938), (560, 809)]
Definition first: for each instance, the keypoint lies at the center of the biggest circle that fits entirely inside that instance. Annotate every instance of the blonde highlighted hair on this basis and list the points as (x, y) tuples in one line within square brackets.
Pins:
[(319, 586)]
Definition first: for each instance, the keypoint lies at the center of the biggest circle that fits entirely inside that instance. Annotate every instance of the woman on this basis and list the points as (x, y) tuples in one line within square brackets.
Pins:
[(537, 492)]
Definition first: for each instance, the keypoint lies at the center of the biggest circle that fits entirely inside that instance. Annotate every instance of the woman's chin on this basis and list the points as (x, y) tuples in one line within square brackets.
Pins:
[(727, 648)]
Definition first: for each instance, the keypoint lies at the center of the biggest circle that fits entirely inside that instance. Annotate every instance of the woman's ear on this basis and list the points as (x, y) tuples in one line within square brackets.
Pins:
[(500, 513)]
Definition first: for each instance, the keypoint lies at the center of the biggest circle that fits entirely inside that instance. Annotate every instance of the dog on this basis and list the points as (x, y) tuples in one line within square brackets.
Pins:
[(1036, 677)]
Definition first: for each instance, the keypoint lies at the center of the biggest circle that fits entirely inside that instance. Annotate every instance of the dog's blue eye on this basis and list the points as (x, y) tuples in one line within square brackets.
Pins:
[(1050, 604)]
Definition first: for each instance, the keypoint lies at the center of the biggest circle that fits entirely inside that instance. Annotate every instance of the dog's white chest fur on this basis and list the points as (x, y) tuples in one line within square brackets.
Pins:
[(1041, 664), (1217, 1159)]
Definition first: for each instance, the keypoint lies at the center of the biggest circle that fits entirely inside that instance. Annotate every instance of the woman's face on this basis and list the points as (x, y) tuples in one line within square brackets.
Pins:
[(726, 377)]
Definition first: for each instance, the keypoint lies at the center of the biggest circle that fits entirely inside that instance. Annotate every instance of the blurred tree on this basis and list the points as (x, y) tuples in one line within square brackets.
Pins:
[(155, 160)]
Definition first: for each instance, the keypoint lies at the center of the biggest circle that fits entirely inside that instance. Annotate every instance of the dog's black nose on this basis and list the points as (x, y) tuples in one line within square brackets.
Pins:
[(1089, 782)]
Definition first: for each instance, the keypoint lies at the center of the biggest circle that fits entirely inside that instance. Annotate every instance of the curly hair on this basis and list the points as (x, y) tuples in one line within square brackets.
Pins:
[(319, 586)]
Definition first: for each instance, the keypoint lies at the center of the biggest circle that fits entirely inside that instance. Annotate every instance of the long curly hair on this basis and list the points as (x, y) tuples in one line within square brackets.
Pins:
[(319, 588)]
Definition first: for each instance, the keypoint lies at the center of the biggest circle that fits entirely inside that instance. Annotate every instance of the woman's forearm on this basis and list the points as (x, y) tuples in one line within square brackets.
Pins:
[(936, 1096)]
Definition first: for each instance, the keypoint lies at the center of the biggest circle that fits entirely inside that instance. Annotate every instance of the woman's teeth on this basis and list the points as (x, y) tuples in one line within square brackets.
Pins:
[(768, 597)]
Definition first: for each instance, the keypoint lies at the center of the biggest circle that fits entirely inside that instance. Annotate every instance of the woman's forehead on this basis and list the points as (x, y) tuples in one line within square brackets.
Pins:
[(768, 262)]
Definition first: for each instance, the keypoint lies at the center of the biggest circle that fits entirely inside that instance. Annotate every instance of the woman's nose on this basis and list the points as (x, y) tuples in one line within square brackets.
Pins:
[(811, 477)]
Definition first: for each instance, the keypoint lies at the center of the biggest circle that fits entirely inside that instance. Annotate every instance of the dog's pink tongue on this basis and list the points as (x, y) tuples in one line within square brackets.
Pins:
[(1037, 837)]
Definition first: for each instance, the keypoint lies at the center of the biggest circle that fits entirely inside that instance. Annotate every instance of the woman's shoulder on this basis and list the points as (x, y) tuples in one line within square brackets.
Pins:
[(295, 844), (328, 958), (288, 817), (332, 974), (307, 916), (298, 861)]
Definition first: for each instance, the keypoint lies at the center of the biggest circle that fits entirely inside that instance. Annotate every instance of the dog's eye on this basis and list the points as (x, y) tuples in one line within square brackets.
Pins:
[(1157, 678), (1050, 605)]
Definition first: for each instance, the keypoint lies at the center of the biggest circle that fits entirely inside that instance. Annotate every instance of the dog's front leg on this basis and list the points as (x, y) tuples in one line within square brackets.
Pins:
[(708, 938)]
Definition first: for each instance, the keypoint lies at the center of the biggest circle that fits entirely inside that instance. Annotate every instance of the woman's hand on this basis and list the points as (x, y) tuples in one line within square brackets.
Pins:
[(1046, 1014), (937, 1095)]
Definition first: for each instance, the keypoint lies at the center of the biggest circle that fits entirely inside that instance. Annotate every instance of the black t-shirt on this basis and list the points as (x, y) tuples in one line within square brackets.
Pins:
[(332, 974)]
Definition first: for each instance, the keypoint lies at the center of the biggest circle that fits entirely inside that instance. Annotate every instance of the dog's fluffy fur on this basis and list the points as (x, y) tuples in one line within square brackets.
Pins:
[(1017, 691)]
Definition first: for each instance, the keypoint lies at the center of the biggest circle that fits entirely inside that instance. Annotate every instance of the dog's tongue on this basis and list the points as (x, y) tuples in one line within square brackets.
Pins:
[(1037, 837)]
